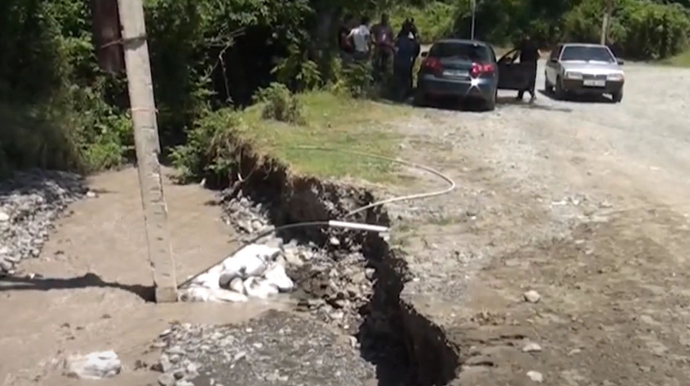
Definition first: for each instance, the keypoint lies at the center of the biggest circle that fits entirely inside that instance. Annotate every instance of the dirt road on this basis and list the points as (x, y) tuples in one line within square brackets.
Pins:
[(65, 312), (586, 203)]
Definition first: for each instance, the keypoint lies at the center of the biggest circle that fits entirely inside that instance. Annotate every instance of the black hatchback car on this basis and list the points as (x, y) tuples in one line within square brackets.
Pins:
[(467, 70)]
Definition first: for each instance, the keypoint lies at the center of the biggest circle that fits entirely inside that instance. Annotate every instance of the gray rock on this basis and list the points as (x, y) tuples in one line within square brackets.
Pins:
[(164, 364), (535, 376), (97, 365), (532, 296), (166, 379), (369, 273), (4, 217), (531, 347), (5, 264)]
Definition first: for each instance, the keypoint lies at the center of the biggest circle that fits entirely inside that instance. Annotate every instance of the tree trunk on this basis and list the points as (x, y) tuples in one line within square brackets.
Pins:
[(106, 33)]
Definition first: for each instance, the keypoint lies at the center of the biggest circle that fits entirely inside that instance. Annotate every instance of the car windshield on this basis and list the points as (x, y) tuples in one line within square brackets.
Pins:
[(466, 51), (587, 54)]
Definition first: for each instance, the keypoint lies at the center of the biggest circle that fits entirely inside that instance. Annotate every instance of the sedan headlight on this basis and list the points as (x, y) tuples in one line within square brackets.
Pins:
[(573, 75), (616, 77)]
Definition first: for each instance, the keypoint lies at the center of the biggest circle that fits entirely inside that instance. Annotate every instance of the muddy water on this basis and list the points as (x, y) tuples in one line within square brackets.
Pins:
[(95, 277)]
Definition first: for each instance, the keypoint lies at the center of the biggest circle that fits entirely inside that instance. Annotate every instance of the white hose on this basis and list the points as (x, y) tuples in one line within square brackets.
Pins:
[(344, 224), (417, 196)]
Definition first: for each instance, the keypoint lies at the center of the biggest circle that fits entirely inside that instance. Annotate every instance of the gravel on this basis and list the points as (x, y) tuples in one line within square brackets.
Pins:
[(29, 203), (278, 348), (332, 285)]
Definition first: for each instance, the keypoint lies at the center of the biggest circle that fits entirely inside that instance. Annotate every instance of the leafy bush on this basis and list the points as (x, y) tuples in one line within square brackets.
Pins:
[(209, 150), (354, 80), (639, 29), (280, 104), (434, 20)]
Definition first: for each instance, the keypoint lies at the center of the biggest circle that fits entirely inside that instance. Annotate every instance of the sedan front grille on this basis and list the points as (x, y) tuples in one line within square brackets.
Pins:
[(595, 77)]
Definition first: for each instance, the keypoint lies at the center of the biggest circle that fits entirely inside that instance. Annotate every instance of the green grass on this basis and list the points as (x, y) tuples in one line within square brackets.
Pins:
[(333, 121), (680, 60)]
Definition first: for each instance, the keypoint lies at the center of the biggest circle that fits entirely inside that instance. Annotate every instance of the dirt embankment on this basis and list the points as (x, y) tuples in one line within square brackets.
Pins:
[(391, 334)]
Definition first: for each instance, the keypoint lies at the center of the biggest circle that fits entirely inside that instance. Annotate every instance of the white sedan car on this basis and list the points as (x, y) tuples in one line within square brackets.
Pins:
[(578, 68)]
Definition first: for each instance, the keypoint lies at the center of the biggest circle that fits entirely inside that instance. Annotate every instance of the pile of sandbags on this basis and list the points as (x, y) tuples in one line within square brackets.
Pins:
[(254, 272)]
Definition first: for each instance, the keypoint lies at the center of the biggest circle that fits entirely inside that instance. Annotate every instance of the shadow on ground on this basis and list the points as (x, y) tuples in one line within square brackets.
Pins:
[(89, 280), (578, 98)]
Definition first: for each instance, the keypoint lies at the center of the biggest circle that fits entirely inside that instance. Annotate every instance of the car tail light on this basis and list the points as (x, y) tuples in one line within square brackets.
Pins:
[(477, 69), (432, 65)]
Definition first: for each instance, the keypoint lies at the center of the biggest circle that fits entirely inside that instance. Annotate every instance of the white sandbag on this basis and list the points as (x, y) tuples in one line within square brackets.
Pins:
[(251, 260), (277, 276), (262, 251), (226, 277), (97, 365), (209, 279), (237, 285), (229, 296), (201, 294), (245, 265), (259, 288)]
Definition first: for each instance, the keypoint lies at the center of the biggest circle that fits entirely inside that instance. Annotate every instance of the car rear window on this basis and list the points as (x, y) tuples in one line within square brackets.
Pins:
[(587, 53), (468, 51)]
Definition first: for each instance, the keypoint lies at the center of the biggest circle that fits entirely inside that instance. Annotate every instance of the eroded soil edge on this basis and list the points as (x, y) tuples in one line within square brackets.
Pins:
[(392, 334)]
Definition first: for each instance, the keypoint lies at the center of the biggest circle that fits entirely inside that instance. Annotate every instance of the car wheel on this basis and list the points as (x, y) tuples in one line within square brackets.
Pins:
[(419, 99), (548, 87), (617, 97), (560, 92), (490, 105)]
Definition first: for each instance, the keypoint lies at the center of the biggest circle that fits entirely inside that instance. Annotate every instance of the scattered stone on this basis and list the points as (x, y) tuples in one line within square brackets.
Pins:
[(535, 376), (531, 347), (166, 379), (97, 365), (369, 273), (277, 348), (29, 203), (605, 205), (91, 194), (532, 296)]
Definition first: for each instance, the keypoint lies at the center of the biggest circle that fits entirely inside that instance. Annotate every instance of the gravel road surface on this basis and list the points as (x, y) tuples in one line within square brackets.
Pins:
[(561, 258), (584, 202)]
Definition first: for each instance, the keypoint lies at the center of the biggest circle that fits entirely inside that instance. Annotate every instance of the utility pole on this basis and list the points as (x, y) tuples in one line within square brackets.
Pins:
[(474, 9), (147, 145), (606, 20)]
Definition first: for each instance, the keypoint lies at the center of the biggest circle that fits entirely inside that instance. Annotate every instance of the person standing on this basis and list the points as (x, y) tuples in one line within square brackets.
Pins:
[(361, 37), (406, 52), (383, 43), (529, 55), (344, 42)]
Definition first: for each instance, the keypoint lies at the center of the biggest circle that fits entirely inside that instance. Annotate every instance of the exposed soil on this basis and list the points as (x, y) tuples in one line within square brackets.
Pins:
[(583, 202), (95, 276)]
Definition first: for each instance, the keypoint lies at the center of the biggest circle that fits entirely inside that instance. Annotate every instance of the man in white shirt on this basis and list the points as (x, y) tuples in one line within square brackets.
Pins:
[(361, 36)]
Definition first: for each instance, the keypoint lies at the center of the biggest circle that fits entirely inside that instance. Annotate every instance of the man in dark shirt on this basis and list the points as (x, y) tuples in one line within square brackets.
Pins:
[(529, 55), (344, 42), (406, 53)]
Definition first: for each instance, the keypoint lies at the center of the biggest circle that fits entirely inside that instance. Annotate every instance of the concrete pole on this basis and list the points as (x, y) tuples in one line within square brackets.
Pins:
[(474, 9), (147, 145), (604, 27), (606, 20)]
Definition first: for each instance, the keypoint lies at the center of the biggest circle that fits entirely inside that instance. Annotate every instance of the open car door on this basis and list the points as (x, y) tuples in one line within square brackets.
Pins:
[(511, 75)]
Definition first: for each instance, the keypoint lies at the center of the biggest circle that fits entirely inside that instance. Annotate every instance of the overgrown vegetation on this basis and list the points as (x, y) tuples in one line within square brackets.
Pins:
[(334, 121), (59, 110), (639, 29)]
